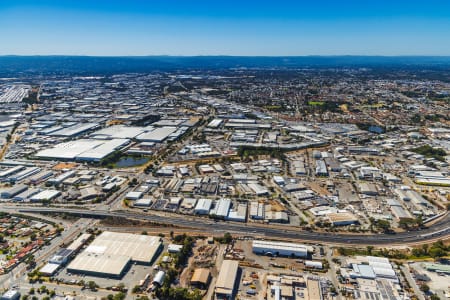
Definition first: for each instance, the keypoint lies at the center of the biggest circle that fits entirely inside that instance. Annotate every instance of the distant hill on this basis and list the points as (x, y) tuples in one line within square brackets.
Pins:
[(22, 65)]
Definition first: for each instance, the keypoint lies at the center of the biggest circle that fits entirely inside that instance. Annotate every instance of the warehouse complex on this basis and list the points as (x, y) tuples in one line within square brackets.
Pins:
[(83, 150), (111, 253)]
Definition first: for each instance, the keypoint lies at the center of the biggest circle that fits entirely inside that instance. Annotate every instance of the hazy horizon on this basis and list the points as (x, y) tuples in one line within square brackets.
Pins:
[(232, 28)]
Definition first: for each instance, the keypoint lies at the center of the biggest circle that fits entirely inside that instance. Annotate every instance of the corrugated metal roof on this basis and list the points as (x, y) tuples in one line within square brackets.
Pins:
[(227, 277)]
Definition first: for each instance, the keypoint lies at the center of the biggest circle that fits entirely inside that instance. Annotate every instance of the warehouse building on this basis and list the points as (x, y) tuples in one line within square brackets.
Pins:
[(159, 278), (102, 265), (61, 257), (222, 208), (158, 135), (79, 242), (227, 279), (321, 168), (215, 123), (40, 177), (111, 253), (119, 132), (74, 130), (201, 278), (26, 194), (49, 269), (24, 174), (11, 295), (258, 189), (371, 267), (279, 248), (10, 171), (239, 214), (257, 211), (314, 289), (342, 218), (368, 189), (83, 150), (45, 195), (203, 206), (13, 191)]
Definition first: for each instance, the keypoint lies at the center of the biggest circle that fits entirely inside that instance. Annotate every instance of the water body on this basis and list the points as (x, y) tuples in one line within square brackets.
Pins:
[(376, 129), (129, 161)]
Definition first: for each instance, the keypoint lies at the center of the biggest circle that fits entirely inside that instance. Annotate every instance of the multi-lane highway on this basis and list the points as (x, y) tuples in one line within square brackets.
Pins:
[(439, 230)]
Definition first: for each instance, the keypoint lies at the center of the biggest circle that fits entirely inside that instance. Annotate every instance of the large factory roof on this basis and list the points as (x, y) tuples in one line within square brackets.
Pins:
[(87, 262), (140, 248), (74, 129), (157, 135), (120, 132), (227, 277), (279, 246), (82, 149), (110, 253)]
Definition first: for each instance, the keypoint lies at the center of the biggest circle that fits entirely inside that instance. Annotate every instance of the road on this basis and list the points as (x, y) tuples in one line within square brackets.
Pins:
[(439, 230), (412, 282), (332, 272)]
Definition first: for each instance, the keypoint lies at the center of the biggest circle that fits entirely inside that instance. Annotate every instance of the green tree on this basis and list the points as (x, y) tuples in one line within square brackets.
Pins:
[(92, 285), (425, 288), (119, 296), (227, 238), (121, 286), (436, 252)]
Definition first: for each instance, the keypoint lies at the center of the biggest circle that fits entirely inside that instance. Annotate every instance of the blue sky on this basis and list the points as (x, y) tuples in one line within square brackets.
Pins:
[(215, 27)]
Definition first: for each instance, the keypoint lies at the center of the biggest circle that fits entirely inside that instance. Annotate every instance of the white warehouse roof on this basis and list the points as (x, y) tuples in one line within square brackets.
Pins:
[(83, 149), (282, 248), (157, 135)]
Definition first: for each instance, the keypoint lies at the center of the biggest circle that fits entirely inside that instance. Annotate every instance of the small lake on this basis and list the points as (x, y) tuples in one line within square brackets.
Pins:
[(128, 161)]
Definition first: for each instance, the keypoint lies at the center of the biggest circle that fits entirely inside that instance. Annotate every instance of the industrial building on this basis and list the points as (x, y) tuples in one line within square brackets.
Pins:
[(222, 208), (11, 295), (368, 189), (159, 278), (342, 218), (314, 289), (371, 268), (45, 195), (83, 150), (239, 214), (64, 255), (256, 211), (258, 189), (13, 191), (321, 168), (111, 253), (203, 206), (158, 135), (201, 278), (119, 132), (279, 248), (227, 279)]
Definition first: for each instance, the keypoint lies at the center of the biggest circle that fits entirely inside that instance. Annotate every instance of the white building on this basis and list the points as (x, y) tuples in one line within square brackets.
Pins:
[(279, 248)]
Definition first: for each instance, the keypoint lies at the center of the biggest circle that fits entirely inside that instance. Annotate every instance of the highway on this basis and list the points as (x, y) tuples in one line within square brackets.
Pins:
[(439, 230)]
